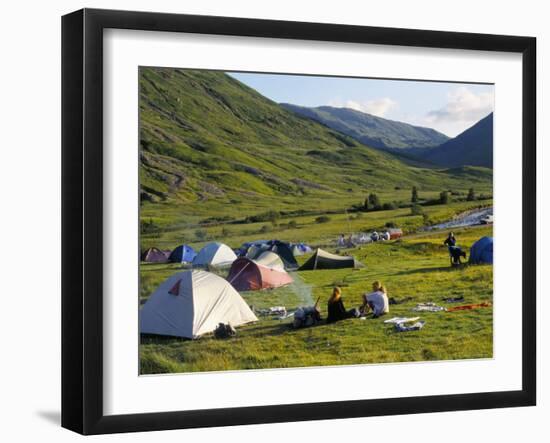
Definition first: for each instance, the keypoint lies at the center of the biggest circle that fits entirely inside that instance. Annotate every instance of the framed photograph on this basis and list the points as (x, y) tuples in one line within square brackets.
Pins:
[(269, 221)]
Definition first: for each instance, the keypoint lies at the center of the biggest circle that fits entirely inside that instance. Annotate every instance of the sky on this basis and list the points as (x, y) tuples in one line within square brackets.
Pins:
[(450, 108)]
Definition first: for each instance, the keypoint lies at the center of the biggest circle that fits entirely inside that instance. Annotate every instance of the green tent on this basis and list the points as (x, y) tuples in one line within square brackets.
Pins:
[(325, 260)]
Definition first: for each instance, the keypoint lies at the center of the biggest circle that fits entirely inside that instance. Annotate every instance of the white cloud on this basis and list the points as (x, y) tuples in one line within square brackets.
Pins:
[(379, 107), (463, 106)]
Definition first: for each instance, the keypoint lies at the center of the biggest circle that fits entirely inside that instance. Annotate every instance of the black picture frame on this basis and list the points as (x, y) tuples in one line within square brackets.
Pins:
[(82, 218)]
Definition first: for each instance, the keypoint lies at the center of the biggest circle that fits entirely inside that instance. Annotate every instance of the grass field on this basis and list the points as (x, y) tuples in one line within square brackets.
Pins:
[(416, 266)]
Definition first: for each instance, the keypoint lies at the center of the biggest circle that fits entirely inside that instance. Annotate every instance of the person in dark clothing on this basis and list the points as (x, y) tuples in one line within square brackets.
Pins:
[(450, 240), (336, 308), (455, 252)]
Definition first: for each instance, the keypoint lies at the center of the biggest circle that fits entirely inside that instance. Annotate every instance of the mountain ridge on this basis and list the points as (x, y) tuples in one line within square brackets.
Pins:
[(371, 130), (473, 147)]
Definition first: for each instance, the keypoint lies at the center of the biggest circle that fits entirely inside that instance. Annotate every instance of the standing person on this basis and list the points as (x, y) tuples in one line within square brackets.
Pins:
[(450, 240), (336, 308), (377, 300), (341, 240), (454, 251)]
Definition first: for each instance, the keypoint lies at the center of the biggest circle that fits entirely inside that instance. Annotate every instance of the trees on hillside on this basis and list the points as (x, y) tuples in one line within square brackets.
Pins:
[(471, 195), (414, 195)]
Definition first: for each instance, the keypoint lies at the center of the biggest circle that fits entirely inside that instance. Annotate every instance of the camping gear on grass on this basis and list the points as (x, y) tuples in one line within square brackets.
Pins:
[(192, 303), (183, 254), (300, 249), (270, 260), (454, 299), (468, 307), (307, 316), (274, 310), (394, 301), (282, 249), (398, 320), (395, 233), (215, 254), (482, 251), (155, 255), (224, 331), (428, 307), (402, 327), (325, 260), (249, 275)]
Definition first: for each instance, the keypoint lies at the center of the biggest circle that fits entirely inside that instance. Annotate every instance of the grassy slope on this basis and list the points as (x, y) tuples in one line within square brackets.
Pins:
[(211, 146), (416, 266)]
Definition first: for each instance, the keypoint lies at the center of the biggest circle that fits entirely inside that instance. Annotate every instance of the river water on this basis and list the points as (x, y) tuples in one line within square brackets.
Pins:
[(473, 218)]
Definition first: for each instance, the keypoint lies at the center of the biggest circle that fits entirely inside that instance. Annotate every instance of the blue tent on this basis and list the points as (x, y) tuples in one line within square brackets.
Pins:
[(482, 251), (182, 253)]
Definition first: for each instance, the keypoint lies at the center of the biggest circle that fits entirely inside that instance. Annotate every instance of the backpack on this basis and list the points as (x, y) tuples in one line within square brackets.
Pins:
[(224, 331)]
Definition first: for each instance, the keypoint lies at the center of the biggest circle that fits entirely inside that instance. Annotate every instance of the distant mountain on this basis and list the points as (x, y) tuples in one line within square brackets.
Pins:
[(473, 147), (372, 131)]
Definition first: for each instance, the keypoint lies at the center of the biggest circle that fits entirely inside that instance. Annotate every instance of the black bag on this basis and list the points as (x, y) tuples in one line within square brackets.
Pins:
[(224, 331)]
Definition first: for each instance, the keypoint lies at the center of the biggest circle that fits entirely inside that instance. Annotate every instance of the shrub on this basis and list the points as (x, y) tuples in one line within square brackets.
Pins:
[(292, 224), (373, 201), (389, 206), (471, 195), (322, 219), (201, 234), (443, 197), (414, 195), (416, 210), (390, 224), (149, 228), (264, 229), (271, 216)]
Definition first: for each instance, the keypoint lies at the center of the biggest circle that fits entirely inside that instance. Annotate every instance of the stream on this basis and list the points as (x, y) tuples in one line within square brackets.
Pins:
[(473, 218)]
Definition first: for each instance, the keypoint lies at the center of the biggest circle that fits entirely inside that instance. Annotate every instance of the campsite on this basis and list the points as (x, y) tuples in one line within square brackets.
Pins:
[(252, 211), (415, 266)]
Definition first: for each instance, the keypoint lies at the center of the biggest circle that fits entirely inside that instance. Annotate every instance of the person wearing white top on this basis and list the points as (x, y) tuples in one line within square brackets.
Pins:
[(377, 300)]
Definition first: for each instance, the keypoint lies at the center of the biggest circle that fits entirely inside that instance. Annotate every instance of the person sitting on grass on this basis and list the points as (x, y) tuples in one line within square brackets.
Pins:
[(377, 300), (336, 308)]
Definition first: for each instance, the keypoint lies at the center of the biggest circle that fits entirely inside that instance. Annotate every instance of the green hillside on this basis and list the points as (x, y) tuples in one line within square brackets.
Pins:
[(371, 130), (474, 146), (212, 147)]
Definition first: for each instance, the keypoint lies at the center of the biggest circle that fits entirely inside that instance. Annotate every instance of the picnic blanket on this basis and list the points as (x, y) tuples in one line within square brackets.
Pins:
[(428, 307), (398, 320), (401, 327), (467, 307)]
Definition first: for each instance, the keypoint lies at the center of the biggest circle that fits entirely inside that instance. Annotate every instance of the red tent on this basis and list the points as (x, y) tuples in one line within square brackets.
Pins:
[(247, 275)]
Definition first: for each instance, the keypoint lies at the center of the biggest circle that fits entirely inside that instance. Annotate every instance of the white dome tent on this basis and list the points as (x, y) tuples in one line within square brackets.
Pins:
[(192, 303), (215, 254)]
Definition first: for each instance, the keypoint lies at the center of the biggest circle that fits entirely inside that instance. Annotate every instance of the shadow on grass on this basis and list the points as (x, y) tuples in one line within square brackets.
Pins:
[(428, 270)]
